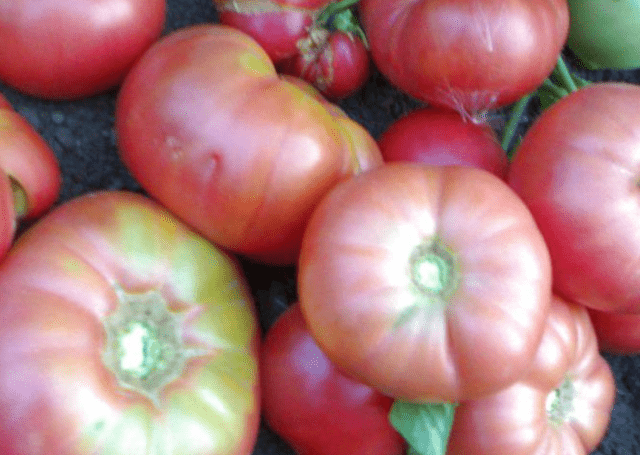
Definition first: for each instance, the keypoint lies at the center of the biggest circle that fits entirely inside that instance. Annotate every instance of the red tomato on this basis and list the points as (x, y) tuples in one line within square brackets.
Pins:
[(437, 136), (125, 332), (617, 333), (209, 129), (337, 63), (577, 171), (29, 173), (70, 49), (425, 282), (312, 405), (468, 55), (562, 407), (277, 25)]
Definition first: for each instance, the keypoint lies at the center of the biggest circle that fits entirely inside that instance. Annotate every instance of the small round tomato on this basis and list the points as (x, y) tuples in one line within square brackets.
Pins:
[(562, 407), (124, 332), (442, 137), (303, 392), (207, 127), (467, 55), (70, 49), (577, 169), (30, 177), (337, 63), (429, 283)]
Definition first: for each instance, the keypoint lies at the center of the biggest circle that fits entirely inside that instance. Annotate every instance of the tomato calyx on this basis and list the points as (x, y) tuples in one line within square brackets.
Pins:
[(144, 347), (559, 402), (433, 269), (425, 426)]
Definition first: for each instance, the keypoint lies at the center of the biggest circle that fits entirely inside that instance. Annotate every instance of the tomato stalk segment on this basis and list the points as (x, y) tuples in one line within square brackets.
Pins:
[(144, 347), (433, 269), (559, 403)]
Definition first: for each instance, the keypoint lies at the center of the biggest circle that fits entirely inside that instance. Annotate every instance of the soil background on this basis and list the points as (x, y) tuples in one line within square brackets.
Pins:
[(81, 134)]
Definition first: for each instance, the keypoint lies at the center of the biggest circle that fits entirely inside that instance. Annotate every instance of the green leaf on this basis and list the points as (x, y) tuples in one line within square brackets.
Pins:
[(425, 426)]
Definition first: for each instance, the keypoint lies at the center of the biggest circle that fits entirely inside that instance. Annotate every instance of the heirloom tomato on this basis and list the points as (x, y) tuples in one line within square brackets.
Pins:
[(29, 173), (617, 333), (563, 406), (577, 169), (312, 405), (605, 34), (429, 283), (439, 136), (124, 332), (70, 49), (208, 128), (469, 55)]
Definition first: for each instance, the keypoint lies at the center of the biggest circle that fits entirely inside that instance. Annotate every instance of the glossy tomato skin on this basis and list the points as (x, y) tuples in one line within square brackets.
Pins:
[(468, 55), (314, 406), (208, 128), (425, 282), (77, 289), (438, 136), (276, 25), (30, 177), (562, 407), (337, 63), (577, 171), (73, 49)]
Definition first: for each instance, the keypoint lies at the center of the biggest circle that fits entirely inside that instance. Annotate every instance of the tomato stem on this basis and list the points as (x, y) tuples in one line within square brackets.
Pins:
[(565, 75), (515, 118), (334, 8)]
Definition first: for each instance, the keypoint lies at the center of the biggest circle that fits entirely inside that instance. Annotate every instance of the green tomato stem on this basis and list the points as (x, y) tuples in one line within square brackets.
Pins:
[(515, 118), (565, 76), (334, 8)]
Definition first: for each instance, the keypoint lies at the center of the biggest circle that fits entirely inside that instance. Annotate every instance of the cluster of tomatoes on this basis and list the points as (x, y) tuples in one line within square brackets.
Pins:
[(454, 293)]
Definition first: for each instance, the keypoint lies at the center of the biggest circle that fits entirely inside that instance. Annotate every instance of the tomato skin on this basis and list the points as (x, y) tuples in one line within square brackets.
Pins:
[(467, 55), (74, 49), (442, 137), (577, 171), (208, 128), (369, 256), (518, 420), (65, 277), (337, 63), (30, 177), (302, 392), (617, 333)]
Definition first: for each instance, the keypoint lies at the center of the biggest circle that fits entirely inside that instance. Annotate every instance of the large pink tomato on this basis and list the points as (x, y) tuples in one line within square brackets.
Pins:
[(209, 129), (577, 169), (124, 332), (425, 282), (469, 55), (29, 173), (562, 407), (312, 405), (70, 49)]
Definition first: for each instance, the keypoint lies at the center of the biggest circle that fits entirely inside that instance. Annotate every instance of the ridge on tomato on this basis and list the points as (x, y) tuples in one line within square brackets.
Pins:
[(208, 128), (429, 283), (124, 332)]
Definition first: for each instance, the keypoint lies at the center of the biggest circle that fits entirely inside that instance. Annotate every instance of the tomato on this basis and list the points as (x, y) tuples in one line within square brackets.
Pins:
[(30, 177), (437, 136), (337, 63), (429, 283), (125, 332), (562, 407), (208, 128), (468, 55), (617, 333), (605, 34), (577, 171), (312, 405), (70, 49)]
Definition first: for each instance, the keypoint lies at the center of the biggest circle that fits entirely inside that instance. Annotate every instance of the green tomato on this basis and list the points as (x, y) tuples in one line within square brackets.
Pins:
[(605, 33), (125, 333)]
